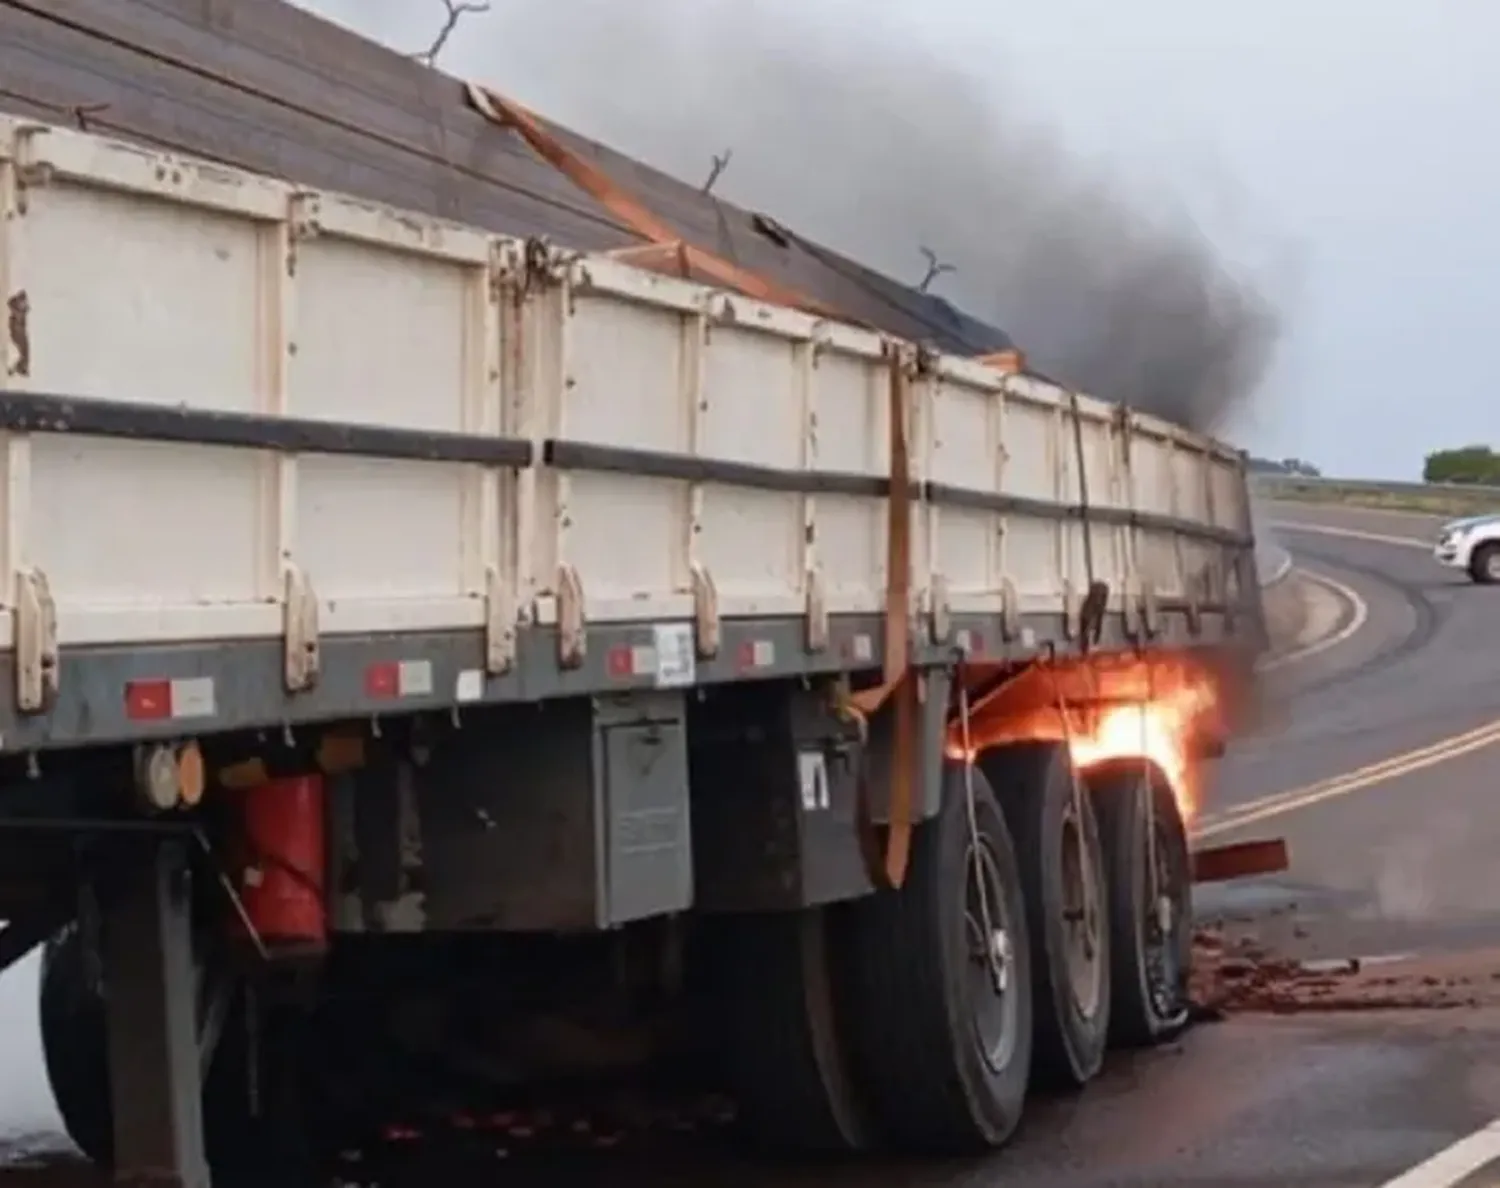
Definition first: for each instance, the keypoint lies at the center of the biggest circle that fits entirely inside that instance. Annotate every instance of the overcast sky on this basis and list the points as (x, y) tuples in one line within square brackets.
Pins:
[(1338, 151)]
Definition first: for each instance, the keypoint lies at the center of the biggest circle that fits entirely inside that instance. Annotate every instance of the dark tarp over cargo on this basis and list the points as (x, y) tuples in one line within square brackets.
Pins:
[(268, 87)]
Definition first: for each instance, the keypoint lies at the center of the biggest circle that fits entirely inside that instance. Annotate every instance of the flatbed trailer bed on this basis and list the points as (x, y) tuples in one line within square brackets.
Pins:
[(398, 584)]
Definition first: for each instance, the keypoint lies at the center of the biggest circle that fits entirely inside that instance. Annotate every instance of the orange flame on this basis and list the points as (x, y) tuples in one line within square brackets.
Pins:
[(1104, 710), (1159, 731)]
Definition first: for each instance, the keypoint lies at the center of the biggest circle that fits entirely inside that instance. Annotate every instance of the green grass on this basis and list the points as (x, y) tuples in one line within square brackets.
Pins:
[(1434, 502)]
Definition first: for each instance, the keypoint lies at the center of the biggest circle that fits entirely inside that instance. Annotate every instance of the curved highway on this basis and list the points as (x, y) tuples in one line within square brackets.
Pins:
[(1408, 860), (1377, 765), (1380, 764)]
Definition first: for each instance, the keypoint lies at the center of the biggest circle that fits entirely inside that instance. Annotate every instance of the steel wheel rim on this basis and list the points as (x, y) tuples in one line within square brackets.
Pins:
[(990, 969)]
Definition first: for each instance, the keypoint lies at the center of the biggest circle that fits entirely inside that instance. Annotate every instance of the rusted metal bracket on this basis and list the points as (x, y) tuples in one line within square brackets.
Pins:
[(1150, 611), (1010, 613), (816, 613), (301, 651), (707, 628), (32, 171), (1091, 614), (1134, 612), (37, 661), (499, 623), (572, 634), (1072, 604), (939, 610)]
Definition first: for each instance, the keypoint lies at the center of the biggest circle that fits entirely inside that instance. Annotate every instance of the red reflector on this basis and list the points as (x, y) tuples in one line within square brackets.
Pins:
[(383, 680), (148, 701), (621, 661)]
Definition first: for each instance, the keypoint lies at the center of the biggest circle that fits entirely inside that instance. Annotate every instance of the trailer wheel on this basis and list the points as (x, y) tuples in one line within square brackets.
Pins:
[(75, 1046), (785, 1051), (1062, 871), (75, 1051), (1150, 935), (938, 983)]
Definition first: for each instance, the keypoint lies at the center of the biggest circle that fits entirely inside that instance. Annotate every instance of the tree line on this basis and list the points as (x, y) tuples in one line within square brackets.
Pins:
[(1467, 464)]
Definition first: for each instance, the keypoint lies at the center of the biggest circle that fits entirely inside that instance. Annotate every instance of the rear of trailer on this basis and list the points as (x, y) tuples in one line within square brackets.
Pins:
[(436, 658)]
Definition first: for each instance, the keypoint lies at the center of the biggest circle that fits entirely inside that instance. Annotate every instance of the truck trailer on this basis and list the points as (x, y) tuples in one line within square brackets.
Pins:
[(446, 667)]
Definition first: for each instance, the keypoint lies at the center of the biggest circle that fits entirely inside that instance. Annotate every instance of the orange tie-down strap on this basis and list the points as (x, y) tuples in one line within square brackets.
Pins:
[(599, 186), (666, 251)]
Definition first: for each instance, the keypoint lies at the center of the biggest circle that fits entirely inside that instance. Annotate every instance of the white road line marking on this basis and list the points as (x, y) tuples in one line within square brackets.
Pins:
[(1452, 1164), (1356, 621), (1408, 542)]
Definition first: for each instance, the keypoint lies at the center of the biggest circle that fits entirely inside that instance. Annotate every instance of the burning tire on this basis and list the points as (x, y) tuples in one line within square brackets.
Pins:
[(938, 983), (786, 1057), (1067, 911), (1150, 918)]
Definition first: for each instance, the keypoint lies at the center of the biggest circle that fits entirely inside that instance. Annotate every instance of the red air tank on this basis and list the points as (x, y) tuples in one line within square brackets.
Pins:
[(281, 864)]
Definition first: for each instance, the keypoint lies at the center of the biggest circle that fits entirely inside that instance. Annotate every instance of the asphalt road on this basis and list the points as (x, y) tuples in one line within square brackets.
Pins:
[(1408, 864)]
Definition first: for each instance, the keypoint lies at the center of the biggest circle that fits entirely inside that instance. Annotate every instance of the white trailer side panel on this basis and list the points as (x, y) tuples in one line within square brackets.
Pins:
[(717, 442)]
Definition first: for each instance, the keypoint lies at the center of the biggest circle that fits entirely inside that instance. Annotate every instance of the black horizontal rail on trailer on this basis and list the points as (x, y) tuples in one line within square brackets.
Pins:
[(232, 685), (691, 468), (37, 412)]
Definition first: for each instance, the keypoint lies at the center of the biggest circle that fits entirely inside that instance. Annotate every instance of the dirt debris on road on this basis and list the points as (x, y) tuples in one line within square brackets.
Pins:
[(1237, 974)]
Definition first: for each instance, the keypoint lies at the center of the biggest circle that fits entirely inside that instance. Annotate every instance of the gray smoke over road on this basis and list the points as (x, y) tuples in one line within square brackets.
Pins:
[(846, 130)]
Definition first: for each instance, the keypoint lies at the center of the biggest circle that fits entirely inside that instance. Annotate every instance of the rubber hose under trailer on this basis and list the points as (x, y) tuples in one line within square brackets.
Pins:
[(1044, 916)]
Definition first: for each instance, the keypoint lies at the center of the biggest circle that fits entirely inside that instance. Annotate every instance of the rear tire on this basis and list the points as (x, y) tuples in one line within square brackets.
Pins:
[(75, 1047), (944, 1051), (786, 1058), (75, 1051), (1062, 871), (1150, 943), (1484, 563)]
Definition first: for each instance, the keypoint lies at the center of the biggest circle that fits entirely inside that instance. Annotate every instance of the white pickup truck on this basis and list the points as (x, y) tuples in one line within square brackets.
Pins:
[(1472, 545), (436, 647)]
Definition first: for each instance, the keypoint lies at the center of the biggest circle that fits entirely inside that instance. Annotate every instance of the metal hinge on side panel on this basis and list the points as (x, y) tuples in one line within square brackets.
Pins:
[(1150, 611), (303, 209), (302, 657), (816, 639), (1010, 613), (706, 613), (1071, 604), (1133, 611), (36, 643), (1193, 607), (32, 170), (572, 636), (939, 610), (499, 623)]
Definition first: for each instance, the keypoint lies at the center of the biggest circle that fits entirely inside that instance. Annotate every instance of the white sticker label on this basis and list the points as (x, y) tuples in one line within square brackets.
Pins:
[(193, 697), (676, 657), (812, 770), (469, 686), (414, 678)]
